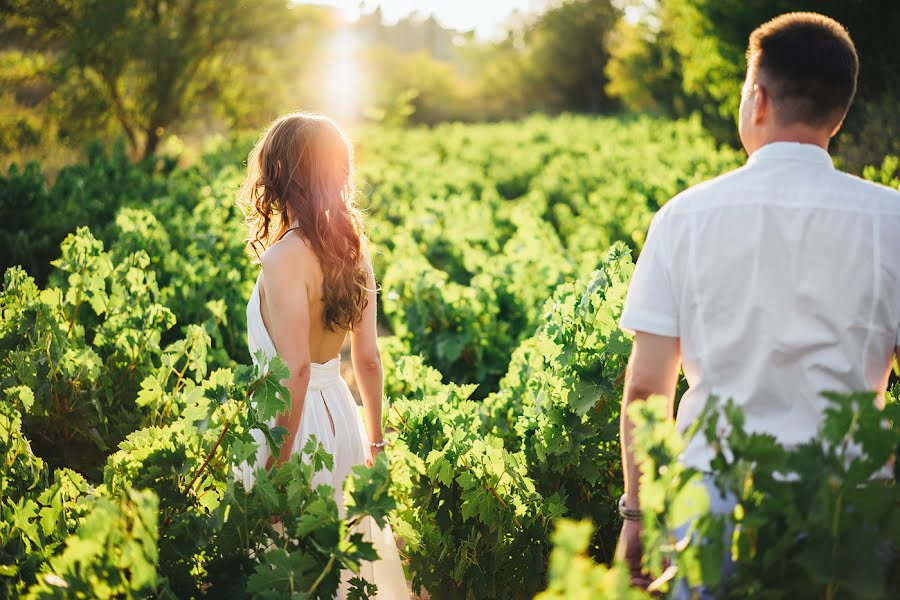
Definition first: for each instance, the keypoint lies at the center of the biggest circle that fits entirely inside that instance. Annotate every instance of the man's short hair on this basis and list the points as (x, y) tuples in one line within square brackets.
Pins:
[(809, 65)]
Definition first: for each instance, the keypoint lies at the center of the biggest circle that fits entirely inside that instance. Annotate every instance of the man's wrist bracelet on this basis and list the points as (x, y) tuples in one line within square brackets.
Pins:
[(629, 514)]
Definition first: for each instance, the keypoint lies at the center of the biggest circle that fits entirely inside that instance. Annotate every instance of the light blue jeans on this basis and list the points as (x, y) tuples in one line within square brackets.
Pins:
[(718, 505)]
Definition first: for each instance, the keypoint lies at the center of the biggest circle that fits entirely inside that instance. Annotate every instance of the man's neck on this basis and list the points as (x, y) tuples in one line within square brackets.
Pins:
[(800, 134)]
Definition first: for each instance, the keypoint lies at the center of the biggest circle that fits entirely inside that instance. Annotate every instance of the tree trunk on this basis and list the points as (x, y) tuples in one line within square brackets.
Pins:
[(151, 142)]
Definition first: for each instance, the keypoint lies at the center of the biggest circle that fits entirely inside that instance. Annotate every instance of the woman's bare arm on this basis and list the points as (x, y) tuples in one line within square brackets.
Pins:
[(367, 360), (287, 311)]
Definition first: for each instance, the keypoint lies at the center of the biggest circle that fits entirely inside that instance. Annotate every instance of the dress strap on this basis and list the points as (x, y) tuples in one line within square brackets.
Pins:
[(287, 231)]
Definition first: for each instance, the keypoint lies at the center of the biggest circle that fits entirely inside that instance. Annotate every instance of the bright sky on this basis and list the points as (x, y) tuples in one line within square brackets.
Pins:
[(485, 16)]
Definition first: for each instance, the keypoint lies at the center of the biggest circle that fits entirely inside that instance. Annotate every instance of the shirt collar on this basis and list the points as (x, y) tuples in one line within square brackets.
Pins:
[(793, 151)]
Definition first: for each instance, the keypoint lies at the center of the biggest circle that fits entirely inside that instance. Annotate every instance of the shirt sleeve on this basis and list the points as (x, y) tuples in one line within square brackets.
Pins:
[(650, 305)]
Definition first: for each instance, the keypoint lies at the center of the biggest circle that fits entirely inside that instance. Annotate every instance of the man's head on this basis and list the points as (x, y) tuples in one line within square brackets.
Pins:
[(801, 79)]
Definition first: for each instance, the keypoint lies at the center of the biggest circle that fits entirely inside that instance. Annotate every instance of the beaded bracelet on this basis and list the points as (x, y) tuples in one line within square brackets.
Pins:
[(380, 444)]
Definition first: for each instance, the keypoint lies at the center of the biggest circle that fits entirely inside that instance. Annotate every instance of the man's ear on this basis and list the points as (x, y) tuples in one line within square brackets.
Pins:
[(836, 128), (762, 103)]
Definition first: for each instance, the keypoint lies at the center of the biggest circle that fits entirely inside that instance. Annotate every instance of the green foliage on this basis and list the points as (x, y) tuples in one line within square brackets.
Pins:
[(453, 325), (472, 521), (21, 126), (817, 520), (886, 174), (560, 400), (549, 61), (211, 523), (480, 484), (413, 87), (504, 404), (83, 372), (573, 574), (203, 277), (872, 132), (566, 49), (194, 531), (195, 232), (310, 544), (644, 69), (81, 349), (112, 554), (502, 214), (36, 216)]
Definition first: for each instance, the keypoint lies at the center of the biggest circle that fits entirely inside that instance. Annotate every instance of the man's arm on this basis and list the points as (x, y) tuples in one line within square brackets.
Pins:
[(651, 312), (652, 370)]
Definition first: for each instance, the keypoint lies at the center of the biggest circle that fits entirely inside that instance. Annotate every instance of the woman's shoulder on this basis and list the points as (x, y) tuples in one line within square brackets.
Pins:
[(289, 254)]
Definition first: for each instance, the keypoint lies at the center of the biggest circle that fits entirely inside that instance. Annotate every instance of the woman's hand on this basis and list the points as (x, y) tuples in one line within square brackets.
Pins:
[(283, 456), (373, 452)]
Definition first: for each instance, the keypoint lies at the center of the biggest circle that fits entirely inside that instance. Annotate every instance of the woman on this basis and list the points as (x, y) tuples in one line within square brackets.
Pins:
[(315, 286)]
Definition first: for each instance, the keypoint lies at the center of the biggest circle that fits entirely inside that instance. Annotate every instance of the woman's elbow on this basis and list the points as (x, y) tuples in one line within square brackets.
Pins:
[(370, 363), (300, 370)]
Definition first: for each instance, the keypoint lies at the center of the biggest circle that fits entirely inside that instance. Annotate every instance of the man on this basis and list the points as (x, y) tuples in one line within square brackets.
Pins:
[(773, 282)]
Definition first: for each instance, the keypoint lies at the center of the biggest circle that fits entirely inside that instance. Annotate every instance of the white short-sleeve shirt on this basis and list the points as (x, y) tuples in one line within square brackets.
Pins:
[(781, 280)]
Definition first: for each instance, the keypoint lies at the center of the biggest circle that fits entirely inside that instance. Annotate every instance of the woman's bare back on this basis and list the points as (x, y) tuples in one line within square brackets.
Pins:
[(324, 343)]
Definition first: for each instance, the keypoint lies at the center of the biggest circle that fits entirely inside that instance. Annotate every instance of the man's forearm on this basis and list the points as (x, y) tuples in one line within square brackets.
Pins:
[(652, 370), (631, 468)]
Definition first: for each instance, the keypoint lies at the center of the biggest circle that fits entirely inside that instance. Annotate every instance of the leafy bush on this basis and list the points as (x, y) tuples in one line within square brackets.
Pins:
[(574, 574), (475, 226), (81, 349), (818, 520), (564, 389), (112, 554), (472, 521), (195, 531), (36, 216), (479, 484)]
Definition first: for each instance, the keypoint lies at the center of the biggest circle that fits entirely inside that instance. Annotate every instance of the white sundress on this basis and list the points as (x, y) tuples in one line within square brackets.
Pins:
[(328, 394)]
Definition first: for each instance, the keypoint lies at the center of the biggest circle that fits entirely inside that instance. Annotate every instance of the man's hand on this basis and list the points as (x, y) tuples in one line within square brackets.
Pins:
[(631, 551)]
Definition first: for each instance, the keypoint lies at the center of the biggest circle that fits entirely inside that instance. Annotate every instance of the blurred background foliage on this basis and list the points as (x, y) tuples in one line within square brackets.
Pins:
[(167, 75)]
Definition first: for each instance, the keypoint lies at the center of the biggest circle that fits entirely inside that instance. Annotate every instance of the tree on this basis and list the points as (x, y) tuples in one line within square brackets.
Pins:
[(550, 61), (568, 53), (708, 39), (147, 65), (644, 71)]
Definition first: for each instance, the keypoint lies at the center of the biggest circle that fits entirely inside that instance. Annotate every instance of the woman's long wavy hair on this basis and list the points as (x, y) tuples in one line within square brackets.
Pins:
[(300, 174)]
